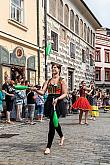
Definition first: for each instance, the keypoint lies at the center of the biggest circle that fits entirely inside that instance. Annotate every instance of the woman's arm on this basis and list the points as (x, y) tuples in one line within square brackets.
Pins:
[(41, 91), (87, 89), (64, 90)]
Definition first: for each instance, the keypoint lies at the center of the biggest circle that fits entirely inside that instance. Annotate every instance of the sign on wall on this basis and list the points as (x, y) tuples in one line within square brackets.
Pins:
[(17, 57)]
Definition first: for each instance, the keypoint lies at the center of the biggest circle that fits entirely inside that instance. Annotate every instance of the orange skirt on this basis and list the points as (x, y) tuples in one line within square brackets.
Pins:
[(82, 104)]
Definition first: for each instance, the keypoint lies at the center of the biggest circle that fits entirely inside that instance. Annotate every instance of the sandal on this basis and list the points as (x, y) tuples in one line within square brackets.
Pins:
[(9, 122), (81, 123), (86, 124)]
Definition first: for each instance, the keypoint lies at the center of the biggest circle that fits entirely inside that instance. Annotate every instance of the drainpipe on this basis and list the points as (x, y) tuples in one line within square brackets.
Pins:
[(45, 33), (38, 40)]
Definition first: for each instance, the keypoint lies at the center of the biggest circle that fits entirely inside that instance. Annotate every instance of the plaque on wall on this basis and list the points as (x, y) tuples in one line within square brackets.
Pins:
[(4, 55), (17, 57)]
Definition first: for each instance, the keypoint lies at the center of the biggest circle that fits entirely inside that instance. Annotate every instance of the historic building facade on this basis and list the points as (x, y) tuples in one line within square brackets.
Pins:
[(102, 58), (72, 27), (19, 45)]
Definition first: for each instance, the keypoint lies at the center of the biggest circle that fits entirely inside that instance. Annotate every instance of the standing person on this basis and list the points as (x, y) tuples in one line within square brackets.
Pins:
[(31, 105), (19, 101), (1, 103), (91, 96), (57, 91), (8, 89), (40, 106), (82, 103)]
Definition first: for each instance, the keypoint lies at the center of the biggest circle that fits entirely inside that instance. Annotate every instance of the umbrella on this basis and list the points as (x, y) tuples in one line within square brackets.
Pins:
[(55, 117)]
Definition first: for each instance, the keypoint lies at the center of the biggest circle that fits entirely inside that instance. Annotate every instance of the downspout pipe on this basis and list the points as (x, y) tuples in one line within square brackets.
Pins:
[(45, 33), (38, 40)]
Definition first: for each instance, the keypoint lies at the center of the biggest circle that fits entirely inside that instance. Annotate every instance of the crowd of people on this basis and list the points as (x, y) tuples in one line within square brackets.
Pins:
[(37, 102), (20, 105), (27, 105)]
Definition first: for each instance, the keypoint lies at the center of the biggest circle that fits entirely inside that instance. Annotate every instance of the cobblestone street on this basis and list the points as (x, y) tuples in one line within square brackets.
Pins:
[(84, 145)]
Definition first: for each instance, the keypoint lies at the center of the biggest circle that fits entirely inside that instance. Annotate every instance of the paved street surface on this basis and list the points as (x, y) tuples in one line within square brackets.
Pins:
[(84, 145)]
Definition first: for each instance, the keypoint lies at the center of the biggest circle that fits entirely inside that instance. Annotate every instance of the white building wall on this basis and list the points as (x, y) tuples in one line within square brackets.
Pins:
[(82, 71), (102, 42)]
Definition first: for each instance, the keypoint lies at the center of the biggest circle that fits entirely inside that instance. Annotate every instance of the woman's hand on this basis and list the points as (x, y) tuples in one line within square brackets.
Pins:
[(55, 101), (33, 89)]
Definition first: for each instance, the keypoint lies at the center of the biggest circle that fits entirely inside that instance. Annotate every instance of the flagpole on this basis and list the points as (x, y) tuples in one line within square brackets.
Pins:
[(45, 31)]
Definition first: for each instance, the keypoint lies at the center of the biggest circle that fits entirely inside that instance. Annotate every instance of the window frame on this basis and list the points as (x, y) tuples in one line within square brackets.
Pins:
[(72, 54), (16, 7), (91, 60), (99, 55), (107, 51), (77, 24), (54, 45), (107, 70), (98, 69), (83, 56)]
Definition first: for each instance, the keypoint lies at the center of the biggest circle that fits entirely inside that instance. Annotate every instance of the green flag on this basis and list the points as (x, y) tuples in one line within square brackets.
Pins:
[(48, 49)]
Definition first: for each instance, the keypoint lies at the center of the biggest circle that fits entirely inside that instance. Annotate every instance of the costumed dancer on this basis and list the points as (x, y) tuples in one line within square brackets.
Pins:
[(92, 98), (82, 103), (57, 89)]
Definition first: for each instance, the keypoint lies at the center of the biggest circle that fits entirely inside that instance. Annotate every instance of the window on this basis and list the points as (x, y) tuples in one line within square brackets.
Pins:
[(88, 34), (54, 37), (98, 74), (81, 28), (17, 10), (52, 7), (77, 24), (97, 56), (107, 74), (70, 80), (91, 60), (108, 32), (107, 56), (83, 56), (72, 50), (63, 34), (72, 20), (66, 15), (85, 32), (87, 52), (60, 10), (93, 39)]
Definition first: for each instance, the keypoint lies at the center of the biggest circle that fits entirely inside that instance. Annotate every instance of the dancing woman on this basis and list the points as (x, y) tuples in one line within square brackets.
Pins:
[(82, 103), (57, 90)]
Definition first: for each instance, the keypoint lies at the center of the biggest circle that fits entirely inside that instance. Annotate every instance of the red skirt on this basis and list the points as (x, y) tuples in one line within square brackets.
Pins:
[(82, 104)]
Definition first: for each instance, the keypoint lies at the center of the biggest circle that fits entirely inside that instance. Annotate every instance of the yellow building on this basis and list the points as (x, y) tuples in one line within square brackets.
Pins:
[(20, 40)]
